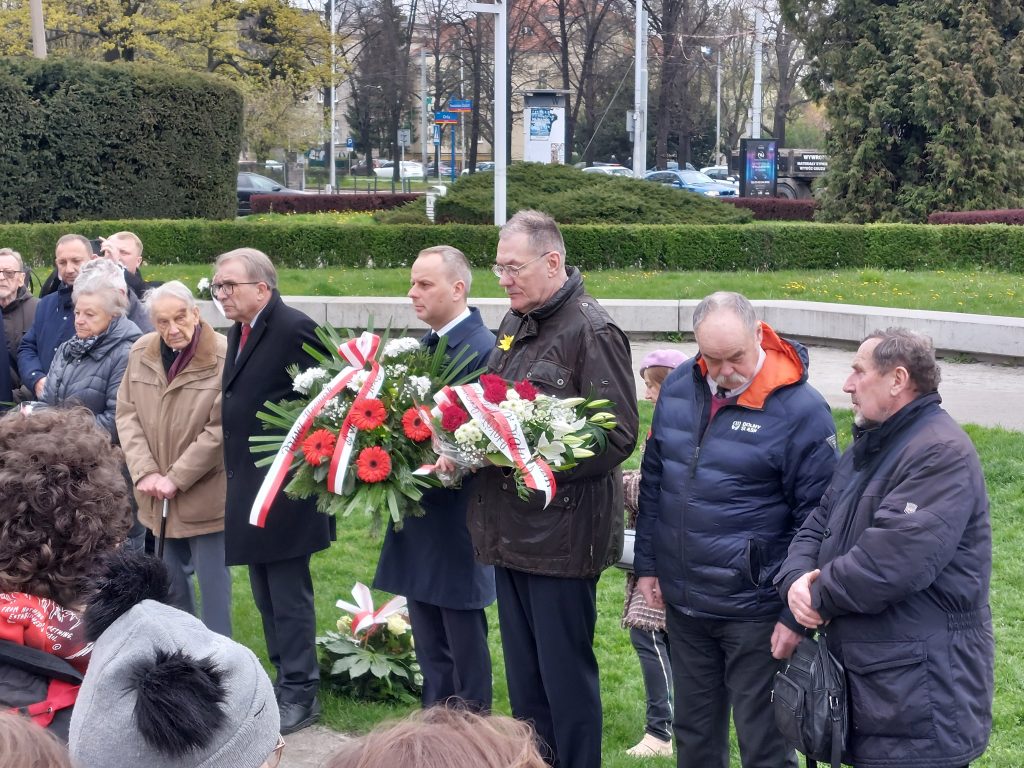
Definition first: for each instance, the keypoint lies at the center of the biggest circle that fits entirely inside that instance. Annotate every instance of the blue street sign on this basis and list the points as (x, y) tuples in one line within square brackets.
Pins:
[(437, 134), (446, 117), (460, 105), (349, 142)]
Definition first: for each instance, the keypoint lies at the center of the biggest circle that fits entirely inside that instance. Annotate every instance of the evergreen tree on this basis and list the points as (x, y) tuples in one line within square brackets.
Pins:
[(925, 100)]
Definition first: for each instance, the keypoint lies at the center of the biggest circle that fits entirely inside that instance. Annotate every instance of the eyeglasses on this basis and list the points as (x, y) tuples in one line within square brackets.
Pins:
[(9, 274), (500, 270), (274, 759), (229, 288)]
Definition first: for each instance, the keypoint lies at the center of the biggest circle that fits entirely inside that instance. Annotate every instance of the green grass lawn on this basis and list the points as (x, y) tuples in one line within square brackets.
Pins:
[(977, 291), (353, 558)]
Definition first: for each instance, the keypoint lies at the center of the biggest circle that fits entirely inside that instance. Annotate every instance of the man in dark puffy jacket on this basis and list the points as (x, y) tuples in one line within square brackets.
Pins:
[(548, 559), (740, 452), (896, 562)]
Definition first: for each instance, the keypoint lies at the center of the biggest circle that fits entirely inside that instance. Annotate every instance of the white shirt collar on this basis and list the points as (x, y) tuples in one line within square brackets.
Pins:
[(444, 331), (740, 390)]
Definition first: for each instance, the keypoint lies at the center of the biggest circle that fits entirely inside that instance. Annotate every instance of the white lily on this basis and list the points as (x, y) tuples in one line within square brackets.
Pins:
[(551, 451)]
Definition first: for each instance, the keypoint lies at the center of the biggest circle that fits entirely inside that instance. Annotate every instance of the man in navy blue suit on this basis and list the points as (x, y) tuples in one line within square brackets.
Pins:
[(430, 561)]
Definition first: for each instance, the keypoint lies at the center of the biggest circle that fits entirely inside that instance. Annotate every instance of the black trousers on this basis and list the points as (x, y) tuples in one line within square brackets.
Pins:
[(547, 635), (451, 648), (716, 663), (283, 592)]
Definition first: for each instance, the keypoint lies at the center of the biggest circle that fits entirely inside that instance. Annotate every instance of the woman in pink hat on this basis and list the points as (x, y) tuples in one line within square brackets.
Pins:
[(647, 625)]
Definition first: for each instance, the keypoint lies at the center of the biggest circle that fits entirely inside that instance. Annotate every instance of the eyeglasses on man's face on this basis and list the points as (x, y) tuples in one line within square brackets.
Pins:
[(500, 270), (9, 274), (227, 289)]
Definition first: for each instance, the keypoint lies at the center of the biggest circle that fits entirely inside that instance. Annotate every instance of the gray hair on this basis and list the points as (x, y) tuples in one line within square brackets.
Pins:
[(911, 350), (736, 303), (103, 278), (16, 255), (258, 265), (541, 230), (172, 289), (73, 238), (455, 263)]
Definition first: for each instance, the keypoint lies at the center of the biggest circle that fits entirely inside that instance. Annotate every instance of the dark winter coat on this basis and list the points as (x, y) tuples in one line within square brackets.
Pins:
[(431, 558), (17, 318), (719, 507), (93, 379), (54, 324), (569, 347), (904, 543), (293, 527)]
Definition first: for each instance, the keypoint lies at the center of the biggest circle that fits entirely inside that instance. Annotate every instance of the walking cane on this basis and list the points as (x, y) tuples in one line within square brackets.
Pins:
[(163, 530)]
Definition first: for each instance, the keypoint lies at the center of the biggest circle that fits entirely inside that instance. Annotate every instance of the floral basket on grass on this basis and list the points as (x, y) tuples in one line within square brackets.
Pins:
[(371, 655), (359, 430), (514, 425)]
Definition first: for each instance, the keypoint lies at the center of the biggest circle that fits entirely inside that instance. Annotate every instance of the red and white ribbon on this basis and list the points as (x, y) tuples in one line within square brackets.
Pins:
[(356, 352), (363, 615), (504, 430)]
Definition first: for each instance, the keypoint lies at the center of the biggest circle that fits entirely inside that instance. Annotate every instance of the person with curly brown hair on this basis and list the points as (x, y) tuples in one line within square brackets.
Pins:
[(442, 737), (63, 505)]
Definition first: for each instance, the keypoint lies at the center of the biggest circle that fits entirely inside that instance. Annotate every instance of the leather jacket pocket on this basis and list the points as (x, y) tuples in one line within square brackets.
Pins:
[(889, 692), (552, 378)]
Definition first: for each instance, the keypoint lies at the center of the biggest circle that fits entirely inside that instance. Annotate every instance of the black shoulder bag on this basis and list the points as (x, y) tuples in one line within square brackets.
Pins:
[(809, 700)]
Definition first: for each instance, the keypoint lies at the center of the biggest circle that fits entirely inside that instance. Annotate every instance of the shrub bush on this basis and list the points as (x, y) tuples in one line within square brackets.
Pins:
[(757, 246), (84, 140), (1005, 216), (574, 197), (374, 201), (776, 208)]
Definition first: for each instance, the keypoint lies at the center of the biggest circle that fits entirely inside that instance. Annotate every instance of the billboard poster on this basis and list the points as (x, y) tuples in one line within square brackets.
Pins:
[(758, 172)]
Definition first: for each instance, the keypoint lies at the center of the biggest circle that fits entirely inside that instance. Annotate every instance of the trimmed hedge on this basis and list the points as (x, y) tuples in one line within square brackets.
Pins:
[(759, 246), (775, 208), (1005, 216), (86, 140), (374, 201)]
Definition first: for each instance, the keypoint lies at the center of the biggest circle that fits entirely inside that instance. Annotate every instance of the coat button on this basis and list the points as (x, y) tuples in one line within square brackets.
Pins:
[(226, 434), (561, 382), (228, 393), (231, 474), (504, 486), (827, 533)]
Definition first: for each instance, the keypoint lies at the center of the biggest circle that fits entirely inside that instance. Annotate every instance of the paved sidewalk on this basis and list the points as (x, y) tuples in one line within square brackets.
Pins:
[(991, 395), (310, 747)]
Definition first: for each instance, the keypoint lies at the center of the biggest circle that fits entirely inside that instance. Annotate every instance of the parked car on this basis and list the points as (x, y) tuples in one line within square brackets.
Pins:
[(720, 173), (692, 181), (359, 169), (609, 170), (250, 184), (480, 168), (410, 170), (273, 165)]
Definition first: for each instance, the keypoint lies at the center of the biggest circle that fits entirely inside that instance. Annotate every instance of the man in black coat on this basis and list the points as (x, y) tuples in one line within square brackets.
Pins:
[(895, 565), (430, 561), (266, 338)]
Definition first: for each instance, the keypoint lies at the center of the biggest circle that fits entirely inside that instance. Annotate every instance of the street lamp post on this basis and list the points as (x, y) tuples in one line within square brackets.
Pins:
[(718, 100), (332, 172), (500, 102)]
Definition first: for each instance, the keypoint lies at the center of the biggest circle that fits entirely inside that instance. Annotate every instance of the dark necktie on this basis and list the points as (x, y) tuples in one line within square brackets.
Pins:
[(430, 340), (722, 393), (246, 330)]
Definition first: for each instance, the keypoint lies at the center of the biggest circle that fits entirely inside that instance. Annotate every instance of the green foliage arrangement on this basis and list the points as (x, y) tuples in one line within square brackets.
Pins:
[(81, 140), (374, 663), (574, 197), (761, 246)]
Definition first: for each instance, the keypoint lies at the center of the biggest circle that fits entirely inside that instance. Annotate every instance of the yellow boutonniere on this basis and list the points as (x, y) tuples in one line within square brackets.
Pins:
[(505, 344)]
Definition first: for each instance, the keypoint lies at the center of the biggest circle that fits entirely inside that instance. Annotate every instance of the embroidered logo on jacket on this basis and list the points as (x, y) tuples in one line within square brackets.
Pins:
[(745, 426)]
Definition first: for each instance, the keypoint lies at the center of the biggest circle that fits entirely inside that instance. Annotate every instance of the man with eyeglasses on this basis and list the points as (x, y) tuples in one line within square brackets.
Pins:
[(267, 337), (19, 310), (548, 559)]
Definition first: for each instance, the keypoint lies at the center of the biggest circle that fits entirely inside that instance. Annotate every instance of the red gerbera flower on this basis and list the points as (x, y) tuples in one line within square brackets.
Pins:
[(373, 464), (414, 426), (368, 413), (319, 446), (526, 390), (452, 417), (495, 389)]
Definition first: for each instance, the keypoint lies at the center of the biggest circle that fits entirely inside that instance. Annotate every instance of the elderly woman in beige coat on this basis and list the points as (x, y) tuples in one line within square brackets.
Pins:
[(168, 419)]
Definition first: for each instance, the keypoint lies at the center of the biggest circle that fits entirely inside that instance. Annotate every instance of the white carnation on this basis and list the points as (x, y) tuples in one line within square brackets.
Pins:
[(520, 408), (396, 347), (357, 381), (469, 433), (307, 378)]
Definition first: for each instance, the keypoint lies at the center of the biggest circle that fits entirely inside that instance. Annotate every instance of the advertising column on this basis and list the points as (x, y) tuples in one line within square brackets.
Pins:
[(757, 167), (544, 126)]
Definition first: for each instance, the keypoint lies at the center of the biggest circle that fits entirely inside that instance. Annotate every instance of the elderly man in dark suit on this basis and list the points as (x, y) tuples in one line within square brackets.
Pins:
[(266, 338), (430, 561)]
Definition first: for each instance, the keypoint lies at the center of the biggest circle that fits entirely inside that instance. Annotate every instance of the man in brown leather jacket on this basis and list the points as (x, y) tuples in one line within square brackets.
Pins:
[(548, 560)]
